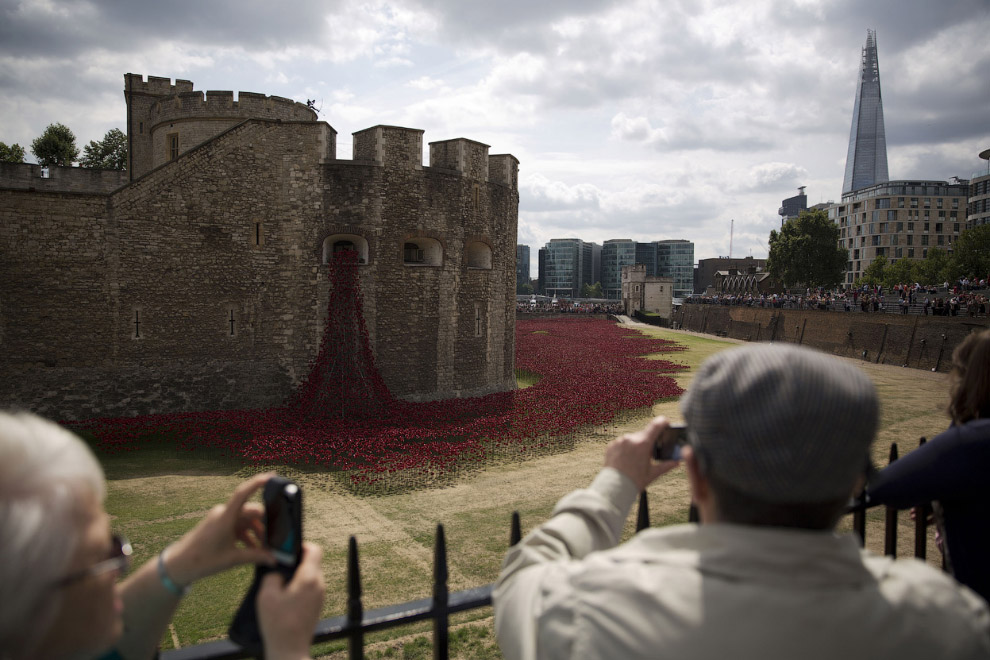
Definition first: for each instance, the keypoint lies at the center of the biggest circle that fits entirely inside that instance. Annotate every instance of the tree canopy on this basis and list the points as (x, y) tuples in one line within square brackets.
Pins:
[(806, 251), (56, 146), (971, 253), (110, 153), (12, 154), (592, 290), (876, 272)]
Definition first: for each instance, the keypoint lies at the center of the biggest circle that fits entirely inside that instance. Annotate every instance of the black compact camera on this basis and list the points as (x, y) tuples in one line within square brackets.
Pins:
[(668, 445), (283, 535)]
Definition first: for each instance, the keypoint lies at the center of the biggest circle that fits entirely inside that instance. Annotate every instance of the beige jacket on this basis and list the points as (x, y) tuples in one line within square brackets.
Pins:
[(719, 591)]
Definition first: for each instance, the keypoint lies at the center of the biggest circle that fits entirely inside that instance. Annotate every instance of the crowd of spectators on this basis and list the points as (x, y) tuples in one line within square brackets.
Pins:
[(568, 307), (967, 297)]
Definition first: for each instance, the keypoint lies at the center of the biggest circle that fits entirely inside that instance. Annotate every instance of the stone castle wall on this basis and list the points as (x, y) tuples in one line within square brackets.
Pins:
[(29, 176), (921, 342), (202, 284)]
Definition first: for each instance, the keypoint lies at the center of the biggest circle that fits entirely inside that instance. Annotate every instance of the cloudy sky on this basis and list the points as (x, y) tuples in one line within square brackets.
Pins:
[(640, 119)]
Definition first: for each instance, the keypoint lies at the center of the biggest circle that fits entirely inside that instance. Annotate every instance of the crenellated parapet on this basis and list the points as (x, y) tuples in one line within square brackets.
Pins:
[(216, 104), (391, 146), (504, 169), (155, 86), (467, 157)]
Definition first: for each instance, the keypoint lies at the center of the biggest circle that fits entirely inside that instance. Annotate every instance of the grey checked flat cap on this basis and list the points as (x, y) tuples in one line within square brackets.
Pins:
[(782, 423)]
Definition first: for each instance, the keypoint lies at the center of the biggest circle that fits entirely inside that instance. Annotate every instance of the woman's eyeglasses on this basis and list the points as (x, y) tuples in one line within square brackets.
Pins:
[(120, 554)]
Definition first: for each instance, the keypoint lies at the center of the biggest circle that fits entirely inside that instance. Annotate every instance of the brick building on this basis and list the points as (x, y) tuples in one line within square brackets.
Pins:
[(196, 279)]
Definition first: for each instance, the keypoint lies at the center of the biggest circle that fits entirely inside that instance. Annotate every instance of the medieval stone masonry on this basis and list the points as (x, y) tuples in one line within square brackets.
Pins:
[(197, 280)]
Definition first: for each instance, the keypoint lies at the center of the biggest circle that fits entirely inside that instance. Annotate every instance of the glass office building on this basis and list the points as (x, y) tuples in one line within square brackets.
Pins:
[(616, 253), (566, 265), (866, 159), (675, 259), (522, 265)]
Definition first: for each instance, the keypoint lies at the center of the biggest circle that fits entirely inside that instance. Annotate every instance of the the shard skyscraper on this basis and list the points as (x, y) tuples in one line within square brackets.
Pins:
[(866, 160)]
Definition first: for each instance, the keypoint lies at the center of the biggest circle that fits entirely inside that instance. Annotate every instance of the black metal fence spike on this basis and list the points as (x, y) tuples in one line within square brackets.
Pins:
[(890, 513), (441, 624), (643, 515), (515, 530), (355, 610)]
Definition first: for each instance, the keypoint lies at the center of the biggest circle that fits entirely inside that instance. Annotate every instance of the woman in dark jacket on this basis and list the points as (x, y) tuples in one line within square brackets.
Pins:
[(951, 469)]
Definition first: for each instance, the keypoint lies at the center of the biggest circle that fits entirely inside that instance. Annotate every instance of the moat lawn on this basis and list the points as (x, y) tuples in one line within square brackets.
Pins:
[(155, 495)]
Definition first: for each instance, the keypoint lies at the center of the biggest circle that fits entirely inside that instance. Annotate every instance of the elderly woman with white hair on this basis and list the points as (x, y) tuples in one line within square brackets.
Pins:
[(59, 563)]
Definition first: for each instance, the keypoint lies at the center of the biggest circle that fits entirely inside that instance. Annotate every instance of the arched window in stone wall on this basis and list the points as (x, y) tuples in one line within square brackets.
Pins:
[(340, 242), (478, 255), (422, 251)]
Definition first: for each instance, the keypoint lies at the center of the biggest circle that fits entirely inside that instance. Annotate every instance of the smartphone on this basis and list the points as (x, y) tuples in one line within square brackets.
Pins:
[(668, 445), (283, 535), (283, 522)]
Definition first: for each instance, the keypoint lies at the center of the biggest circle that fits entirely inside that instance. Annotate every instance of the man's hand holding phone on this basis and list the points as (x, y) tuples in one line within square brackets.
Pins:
[(632, 454)]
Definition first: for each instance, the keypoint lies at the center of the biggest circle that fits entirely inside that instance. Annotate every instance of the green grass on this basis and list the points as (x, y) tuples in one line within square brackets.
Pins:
[(526, 379)]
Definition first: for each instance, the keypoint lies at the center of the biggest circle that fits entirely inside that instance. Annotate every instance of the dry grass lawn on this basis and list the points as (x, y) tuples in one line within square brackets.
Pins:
[(155, 496)]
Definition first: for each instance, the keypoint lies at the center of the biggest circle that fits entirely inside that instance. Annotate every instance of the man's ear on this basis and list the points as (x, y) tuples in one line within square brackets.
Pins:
[(858, 486)]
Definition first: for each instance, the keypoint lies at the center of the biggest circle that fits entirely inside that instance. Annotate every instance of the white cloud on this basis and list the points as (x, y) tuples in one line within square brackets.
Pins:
[(425, 83), (644, 119)]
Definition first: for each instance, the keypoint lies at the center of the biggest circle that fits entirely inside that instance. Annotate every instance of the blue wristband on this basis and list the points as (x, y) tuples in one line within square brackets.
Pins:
[(168, 582)]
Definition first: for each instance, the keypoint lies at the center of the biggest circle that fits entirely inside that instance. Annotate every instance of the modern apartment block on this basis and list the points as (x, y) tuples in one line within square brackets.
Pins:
[(866, 159), (978, 212), (522, 265), (566, 265), (899, 220)]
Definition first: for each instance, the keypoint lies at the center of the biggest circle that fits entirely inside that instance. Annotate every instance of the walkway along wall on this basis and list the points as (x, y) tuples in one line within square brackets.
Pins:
[(921, 342)]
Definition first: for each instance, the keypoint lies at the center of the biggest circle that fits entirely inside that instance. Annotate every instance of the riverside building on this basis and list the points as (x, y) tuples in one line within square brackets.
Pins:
[(899, 220)]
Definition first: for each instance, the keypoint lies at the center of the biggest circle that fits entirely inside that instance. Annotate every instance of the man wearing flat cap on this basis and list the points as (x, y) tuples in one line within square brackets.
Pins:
[(779, 440)]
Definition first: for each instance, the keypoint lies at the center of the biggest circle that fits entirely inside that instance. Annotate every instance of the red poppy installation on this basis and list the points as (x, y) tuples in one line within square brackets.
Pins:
[(342, 418)]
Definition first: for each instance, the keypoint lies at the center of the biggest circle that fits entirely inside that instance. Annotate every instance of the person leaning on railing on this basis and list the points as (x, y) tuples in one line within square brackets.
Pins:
[(952, 469), (59, 563), (779, 439)]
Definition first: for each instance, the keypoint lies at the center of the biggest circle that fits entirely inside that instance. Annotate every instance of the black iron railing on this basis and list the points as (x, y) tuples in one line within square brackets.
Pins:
[(354, 625)]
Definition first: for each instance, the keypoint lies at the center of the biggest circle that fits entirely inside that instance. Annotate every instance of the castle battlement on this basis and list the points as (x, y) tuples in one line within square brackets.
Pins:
[(468, 157), (391, 146), (155, 85), (221, 104)]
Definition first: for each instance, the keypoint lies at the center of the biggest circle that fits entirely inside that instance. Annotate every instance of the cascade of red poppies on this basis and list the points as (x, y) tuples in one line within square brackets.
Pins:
[(343, 420), (343, 381)]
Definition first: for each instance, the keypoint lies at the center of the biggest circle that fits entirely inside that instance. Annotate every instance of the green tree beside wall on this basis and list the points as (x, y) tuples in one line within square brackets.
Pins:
[(971, 253), (56, 146), (110, 153), (806, 252), (11, 154)]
